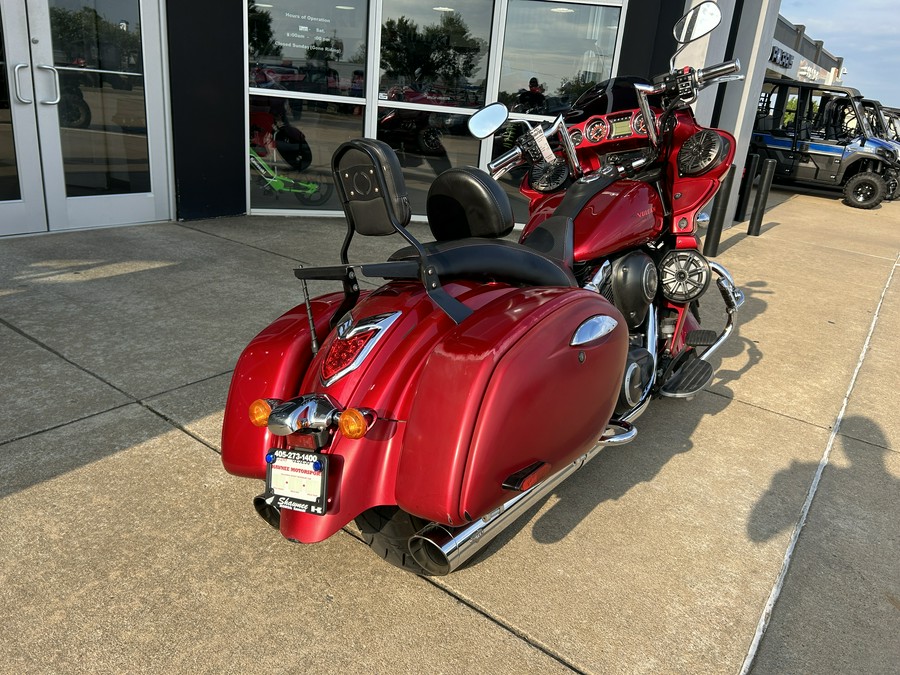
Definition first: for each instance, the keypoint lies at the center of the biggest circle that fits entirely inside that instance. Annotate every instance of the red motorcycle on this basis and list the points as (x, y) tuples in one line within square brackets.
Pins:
[(440, 407)]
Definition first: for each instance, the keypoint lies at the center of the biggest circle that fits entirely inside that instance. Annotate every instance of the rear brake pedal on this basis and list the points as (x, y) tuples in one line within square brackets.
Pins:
[(688, 380)]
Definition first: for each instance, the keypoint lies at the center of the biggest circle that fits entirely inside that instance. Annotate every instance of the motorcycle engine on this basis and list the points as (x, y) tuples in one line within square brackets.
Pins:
[(632, 286), (638, 370)]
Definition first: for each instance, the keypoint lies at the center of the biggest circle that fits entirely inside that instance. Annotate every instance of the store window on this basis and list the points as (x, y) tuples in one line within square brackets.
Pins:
[(9, 177), (308, 47), (426, 143), (321, 74), (435, 55), (291, 144), (432, 58), (554, 51), (307, 61)]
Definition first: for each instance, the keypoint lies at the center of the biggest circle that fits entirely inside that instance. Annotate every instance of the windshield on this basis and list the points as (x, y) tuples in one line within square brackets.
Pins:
[(609, 96)]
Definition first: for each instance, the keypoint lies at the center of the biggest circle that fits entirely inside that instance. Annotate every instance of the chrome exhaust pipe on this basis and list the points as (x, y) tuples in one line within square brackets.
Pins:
[(267, 509), (440, 549)]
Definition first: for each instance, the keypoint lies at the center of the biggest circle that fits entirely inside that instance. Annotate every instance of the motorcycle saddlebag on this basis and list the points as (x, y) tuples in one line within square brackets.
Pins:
[(503, 391)]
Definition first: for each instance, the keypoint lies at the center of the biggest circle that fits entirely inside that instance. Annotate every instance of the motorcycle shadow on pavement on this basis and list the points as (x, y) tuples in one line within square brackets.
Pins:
[(664, 431)]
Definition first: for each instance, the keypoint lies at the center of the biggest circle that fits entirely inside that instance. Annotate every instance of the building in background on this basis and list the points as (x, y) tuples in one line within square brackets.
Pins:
[(129, 111), (796, 56)]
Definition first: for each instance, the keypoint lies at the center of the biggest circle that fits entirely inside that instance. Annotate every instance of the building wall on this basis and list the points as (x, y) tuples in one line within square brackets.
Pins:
[(207, 62)]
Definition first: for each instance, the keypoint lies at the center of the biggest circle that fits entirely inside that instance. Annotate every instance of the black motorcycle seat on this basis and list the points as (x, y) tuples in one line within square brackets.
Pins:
[(495, 259)]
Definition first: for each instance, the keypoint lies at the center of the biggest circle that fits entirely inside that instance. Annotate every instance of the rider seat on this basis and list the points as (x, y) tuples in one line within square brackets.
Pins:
[(467, 211)]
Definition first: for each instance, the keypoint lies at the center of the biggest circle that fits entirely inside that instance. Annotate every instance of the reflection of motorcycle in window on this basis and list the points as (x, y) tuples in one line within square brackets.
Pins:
[(288, 143), (413, 129), (74, 111)]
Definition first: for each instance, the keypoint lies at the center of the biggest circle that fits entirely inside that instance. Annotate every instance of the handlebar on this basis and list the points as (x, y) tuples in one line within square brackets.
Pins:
[(705, 75)]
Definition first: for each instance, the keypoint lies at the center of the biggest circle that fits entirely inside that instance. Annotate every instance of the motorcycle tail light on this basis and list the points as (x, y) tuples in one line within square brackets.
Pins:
[(354, 423), (260, 410), (353, 343), (343, 352)]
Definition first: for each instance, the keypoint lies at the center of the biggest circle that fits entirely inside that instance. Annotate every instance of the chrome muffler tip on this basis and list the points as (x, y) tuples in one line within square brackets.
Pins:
[(267, 510), (432, 548), (618, 432)]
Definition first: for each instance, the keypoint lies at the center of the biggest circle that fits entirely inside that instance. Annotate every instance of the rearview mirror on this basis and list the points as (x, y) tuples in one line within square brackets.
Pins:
[(487, 120), (700, 21)]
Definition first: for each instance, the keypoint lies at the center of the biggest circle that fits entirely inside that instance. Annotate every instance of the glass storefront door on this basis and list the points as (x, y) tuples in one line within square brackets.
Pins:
[(82, 134)]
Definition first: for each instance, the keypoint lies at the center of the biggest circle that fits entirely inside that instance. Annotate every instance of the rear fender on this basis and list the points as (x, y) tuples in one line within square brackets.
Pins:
[(361, 474)]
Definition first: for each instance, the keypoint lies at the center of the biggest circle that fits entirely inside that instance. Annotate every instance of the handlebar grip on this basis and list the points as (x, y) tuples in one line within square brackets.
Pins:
[(704, 75), (505, 161)]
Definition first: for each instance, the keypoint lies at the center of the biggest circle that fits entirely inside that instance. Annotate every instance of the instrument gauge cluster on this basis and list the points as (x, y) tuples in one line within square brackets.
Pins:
[(576, 136), (595, 131)]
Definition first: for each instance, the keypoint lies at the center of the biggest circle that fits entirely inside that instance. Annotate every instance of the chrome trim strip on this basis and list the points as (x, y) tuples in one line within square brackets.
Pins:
[(592, 329), (599, 278), (651, 340), (379, 322)]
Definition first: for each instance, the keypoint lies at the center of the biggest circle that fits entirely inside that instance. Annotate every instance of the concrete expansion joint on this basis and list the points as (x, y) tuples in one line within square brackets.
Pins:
[(813, 488)]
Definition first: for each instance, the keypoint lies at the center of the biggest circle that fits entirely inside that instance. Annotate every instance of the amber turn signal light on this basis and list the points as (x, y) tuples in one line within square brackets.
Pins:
[(354, 423), (260, 410)]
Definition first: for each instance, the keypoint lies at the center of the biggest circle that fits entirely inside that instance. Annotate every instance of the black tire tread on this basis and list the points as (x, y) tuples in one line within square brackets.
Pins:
[(386, 530), (880, 190)]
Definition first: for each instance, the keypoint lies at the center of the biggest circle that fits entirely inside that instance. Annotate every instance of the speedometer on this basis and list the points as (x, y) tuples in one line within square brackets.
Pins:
[(639, 124), (596, 131)]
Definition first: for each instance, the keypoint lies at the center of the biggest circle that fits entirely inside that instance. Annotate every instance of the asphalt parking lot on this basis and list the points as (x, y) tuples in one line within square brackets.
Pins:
[(126, 547)]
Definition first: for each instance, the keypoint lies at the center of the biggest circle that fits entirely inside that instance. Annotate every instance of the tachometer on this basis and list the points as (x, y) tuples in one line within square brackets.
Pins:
[(596, 131)]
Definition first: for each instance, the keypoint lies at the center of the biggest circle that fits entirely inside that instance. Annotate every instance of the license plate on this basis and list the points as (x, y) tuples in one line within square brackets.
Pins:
[(299, 480)]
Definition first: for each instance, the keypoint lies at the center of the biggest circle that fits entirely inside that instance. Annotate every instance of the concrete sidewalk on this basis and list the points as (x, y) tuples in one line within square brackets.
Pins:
[(126, 547)]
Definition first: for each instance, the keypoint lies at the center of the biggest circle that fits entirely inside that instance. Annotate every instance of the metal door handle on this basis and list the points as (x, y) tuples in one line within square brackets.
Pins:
[(56, 80), (21, 99)]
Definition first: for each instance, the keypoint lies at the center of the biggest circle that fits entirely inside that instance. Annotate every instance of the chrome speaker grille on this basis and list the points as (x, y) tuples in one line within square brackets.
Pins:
[(684, 275)]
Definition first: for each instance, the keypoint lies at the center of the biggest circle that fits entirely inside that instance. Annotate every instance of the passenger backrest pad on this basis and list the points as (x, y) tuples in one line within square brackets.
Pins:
[(370, 184), (466, 202)]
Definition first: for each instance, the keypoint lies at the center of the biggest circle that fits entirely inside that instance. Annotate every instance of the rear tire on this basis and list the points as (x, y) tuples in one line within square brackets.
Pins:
[(387, 529), (864, 190)]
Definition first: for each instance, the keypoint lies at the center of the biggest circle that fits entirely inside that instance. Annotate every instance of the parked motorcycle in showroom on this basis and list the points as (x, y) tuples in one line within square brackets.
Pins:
[(437, 409)]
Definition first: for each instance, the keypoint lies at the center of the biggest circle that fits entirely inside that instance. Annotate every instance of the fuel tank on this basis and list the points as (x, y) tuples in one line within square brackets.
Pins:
[(608, 217)]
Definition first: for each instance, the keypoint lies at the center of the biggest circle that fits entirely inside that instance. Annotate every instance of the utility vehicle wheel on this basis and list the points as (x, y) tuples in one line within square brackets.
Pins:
[(431, 141), (387, 529), (891, 192), (864, 190)]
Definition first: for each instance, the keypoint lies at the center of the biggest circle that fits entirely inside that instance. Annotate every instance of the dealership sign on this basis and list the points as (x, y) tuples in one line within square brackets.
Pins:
[(781, 57)]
